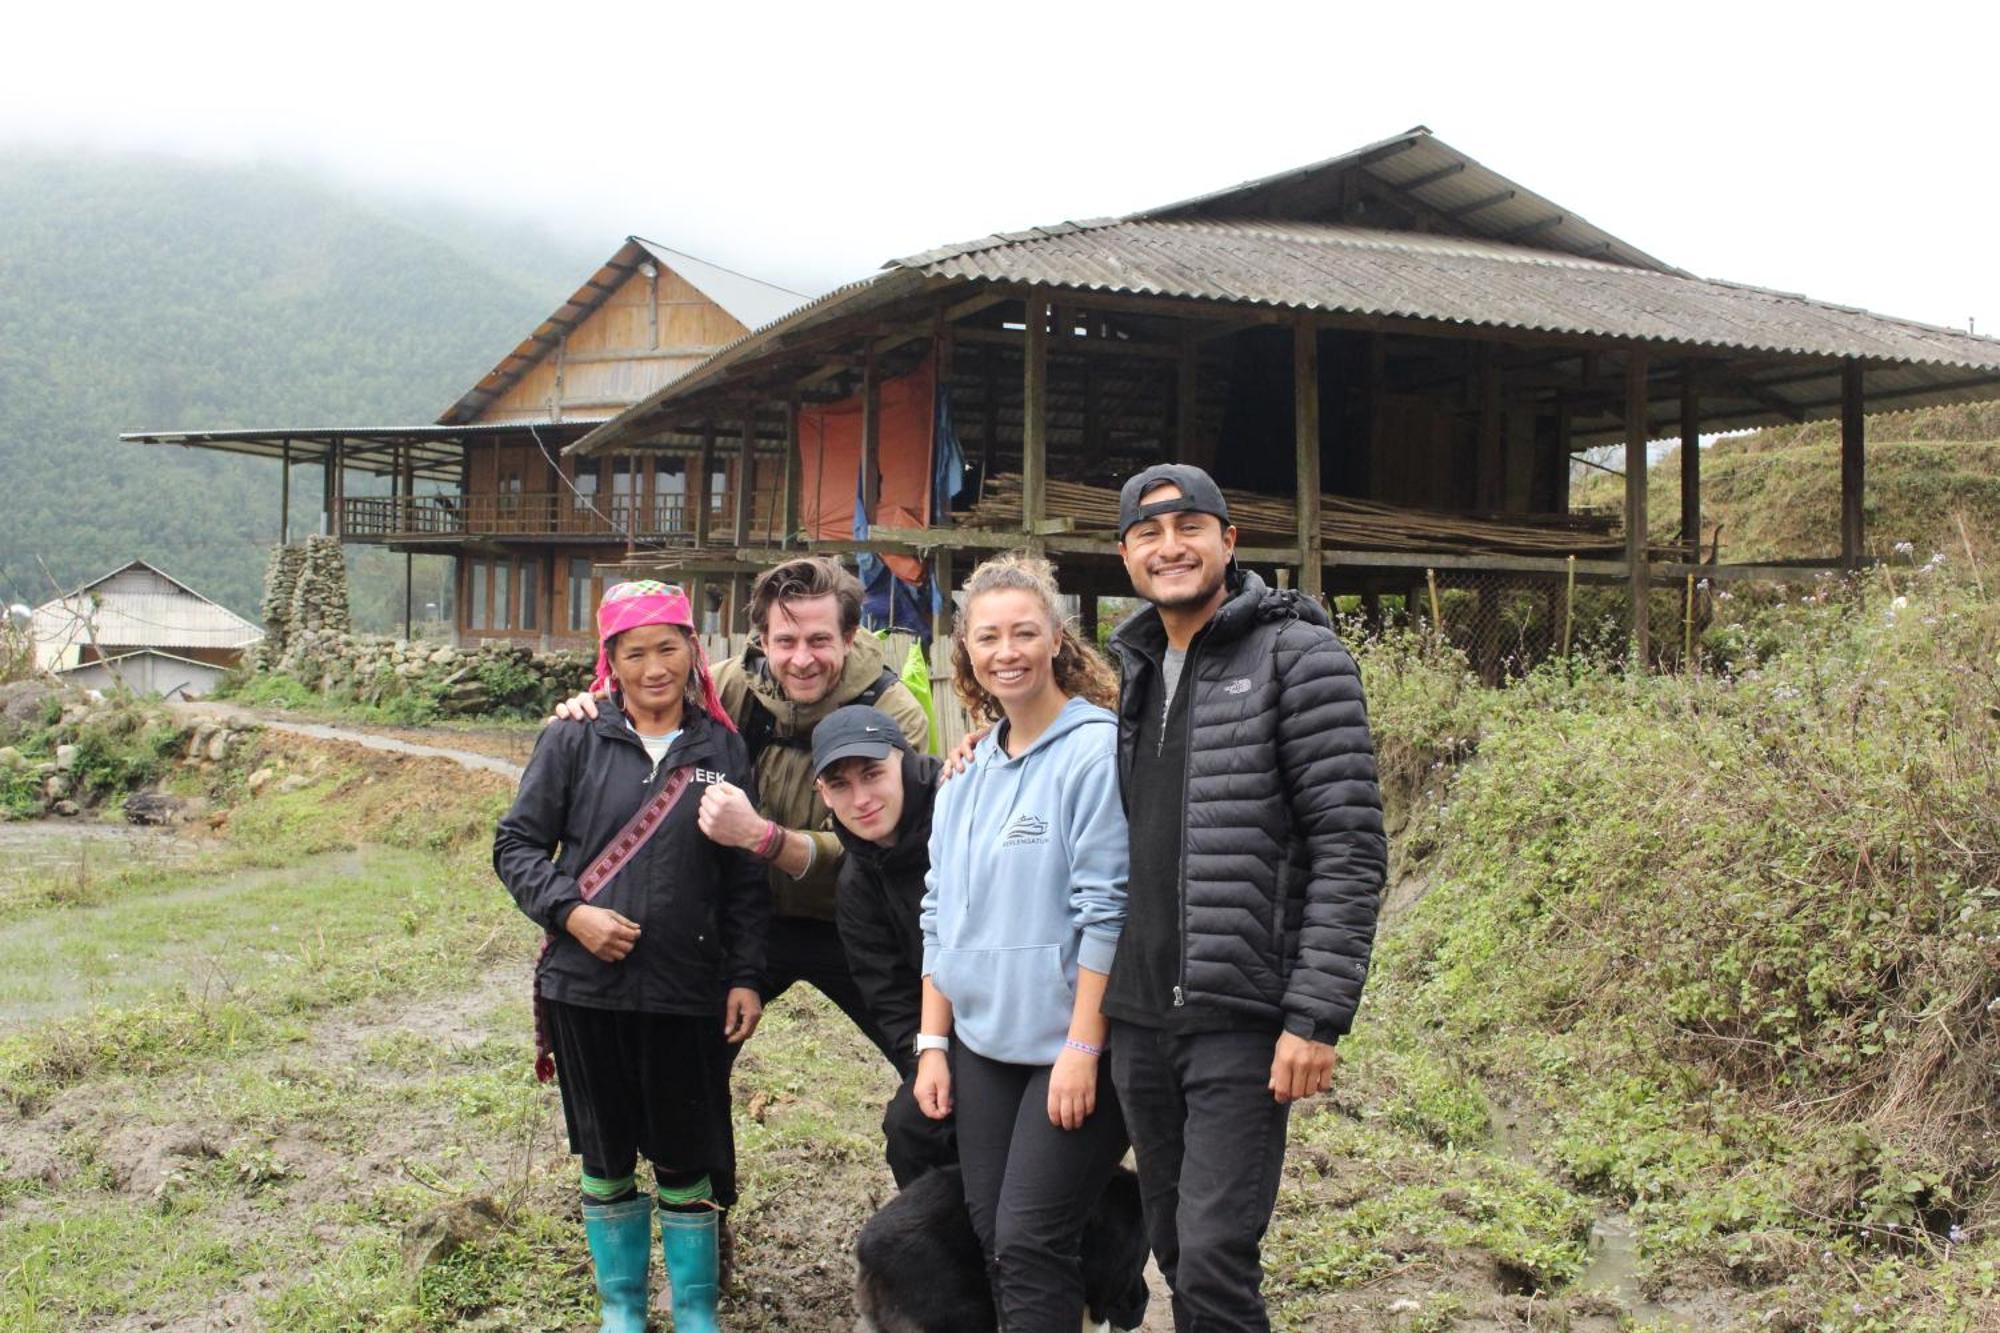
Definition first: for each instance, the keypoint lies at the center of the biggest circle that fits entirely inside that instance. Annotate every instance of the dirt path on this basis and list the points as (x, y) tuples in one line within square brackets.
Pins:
[(385, 739)]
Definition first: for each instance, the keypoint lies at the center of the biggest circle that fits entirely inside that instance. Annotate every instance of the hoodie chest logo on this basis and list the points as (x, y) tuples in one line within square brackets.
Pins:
[(1026, 831), (710, 776)]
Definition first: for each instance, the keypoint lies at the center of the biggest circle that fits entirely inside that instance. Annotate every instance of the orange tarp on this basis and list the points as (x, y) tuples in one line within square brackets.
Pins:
[(830, 462)]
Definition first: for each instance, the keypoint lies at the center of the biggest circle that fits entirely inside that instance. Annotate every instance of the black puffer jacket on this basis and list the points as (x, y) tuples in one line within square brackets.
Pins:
[(1282, 857), (877, 908), (703, 910)]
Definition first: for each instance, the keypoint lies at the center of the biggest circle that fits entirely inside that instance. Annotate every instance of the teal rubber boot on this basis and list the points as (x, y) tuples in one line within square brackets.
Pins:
[(621, 1245), (688, 1241)]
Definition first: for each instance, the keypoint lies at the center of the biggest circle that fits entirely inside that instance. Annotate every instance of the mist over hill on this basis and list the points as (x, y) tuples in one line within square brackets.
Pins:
[(152, 294)]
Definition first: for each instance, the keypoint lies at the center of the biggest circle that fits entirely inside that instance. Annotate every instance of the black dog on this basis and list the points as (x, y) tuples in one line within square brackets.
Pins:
[(921, 1270)]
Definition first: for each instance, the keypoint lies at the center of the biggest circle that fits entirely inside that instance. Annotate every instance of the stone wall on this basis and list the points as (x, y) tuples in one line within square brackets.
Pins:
[(454, 682)]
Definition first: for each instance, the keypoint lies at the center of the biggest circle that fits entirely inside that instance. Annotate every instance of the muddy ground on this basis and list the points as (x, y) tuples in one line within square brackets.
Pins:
[(301, 1098)]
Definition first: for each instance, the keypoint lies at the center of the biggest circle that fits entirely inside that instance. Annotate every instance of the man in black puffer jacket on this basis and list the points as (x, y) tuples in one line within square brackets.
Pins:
[(1257, 863)]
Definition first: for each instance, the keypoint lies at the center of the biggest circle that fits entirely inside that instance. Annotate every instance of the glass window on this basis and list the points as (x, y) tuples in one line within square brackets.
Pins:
[(718, 490), (531, 595), (503, 588), (586, 483), (476, 594), (582, 602)]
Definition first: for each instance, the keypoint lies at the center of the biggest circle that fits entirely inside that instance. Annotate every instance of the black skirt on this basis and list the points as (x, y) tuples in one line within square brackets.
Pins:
[(645, 1085)]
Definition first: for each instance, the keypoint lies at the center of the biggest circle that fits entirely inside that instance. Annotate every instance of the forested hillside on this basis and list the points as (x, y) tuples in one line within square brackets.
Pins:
[(153, 294)]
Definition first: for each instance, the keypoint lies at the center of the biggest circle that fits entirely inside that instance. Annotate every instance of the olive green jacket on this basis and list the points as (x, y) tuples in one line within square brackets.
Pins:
[(785, 790)]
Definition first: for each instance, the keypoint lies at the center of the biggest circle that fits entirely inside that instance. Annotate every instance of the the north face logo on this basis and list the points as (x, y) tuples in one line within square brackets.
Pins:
[(1241, 686), (1026, 830)]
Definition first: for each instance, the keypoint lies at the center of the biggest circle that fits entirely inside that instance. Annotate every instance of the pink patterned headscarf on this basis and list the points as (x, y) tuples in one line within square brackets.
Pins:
[(650, 602)]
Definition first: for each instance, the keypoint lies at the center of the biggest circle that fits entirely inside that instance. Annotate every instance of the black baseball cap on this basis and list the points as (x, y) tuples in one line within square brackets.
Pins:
[(1199, 495), (855, 732)]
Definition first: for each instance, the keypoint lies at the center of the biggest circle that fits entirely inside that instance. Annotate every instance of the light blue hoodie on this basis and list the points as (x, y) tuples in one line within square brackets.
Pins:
[(1027, 883)]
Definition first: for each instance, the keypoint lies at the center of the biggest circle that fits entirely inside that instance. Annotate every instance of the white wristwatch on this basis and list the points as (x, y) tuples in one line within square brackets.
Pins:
[(930, 1041)]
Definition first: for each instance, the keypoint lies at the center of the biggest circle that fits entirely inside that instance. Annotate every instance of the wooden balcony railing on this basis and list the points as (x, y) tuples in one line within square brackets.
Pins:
[(547, 514)]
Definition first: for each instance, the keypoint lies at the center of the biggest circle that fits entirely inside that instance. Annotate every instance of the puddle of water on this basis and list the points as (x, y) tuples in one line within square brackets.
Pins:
[(35, 852)]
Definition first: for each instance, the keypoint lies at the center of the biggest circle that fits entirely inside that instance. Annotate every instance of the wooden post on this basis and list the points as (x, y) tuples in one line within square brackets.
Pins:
[(704, 464), (337, 522), (409, 596), (1035, 421), (1690, 462), (790, 516), (942, 623), (1305, 430), (746, 487), (1635, 504), (1187, 402), (1489, 483), (1853, 429), (989, 439), (871, 436), (746, 476), (1087, 617), (285, 495)]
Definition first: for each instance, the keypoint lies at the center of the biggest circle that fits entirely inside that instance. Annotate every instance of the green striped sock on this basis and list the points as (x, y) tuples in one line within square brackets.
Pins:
[(598, 1190), (680, 1197)]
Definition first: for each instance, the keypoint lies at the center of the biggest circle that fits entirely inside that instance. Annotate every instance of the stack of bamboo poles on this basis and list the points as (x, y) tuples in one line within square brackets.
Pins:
[(1345, 523)]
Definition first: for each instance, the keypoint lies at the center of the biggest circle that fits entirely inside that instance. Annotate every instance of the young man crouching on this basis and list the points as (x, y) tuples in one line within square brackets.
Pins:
[(880, 795)]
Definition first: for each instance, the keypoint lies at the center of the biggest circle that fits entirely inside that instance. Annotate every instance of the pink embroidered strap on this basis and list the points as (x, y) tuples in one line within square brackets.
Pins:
[(614, 858)]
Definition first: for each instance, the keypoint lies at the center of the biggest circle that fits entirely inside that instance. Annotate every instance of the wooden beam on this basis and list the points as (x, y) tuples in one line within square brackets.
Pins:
[(1853, 430), (871, 436), (1690, 461), (285, 495), (792, 478), (1035, 418), (1635, 505), (1064, 345), (1305, 430)]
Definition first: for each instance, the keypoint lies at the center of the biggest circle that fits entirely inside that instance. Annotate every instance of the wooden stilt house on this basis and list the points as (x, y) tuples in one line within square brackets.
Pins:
[(487, 483), (1390, 356)]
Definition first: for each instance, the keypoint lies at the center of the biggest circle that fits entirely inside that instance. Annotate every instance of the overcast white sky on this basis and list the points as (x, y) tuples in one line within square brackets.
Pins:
[(1840, 150)]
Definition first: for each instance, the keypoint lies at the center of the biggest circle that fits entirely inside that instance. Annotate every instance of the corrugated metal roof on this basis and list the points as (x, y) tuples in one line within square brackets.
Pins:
[(134, 606), (749, 301), (1446, 186), (1453, 280), (752, 302), (436, 453), (1527, 265)]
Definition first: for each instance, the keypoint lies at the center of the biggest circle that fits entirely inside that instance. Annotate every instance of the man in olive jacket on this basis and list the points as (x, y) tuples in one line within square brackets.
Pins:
[(1258, 858)]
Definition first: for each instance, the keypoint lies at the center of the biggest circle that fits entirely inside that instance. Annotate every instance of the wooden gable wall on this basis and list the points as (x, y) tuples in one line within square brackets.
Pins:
[(649, 331)]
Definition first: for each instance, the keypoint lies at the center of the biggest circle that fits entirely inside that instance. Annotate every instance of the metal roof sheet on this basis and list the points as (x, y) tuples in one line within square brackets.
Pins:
[(135, 606), (1452, 280), (1447, 186)]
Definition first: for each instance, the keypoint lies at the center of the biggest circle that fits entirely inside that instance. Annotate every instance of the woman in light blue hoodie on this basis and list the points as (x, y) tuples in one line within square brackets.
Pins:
[(1021, 914)]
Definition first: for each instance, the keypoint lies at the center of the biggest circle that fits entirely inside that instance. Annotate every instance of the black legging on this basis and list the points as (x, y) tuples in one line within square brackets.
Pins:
[(1030, 1185)]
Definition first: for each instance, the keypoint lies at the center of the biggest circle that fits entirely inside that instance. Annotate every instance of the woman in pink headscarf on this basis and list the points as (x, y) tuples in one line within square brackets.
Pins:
[(655, 948)]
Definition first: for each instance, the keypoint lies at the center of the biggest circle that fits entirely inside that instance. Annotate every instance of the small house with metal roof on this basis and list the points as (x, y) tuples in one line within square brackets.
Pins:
[(141, 628), (488, 484), (1389, 358)]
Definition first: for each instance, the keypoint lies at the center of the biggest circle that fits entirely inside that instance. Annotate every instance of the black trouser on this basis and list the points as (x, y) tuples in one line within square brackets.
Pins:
[(913, 1142), (801, 948), (1210, 1140), (1030, 1185)]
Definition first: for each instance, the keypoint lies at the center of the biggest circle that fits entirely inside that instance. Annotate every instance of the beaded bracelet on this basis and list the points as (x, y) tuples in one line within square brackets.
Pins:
[(1083, 1046)]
